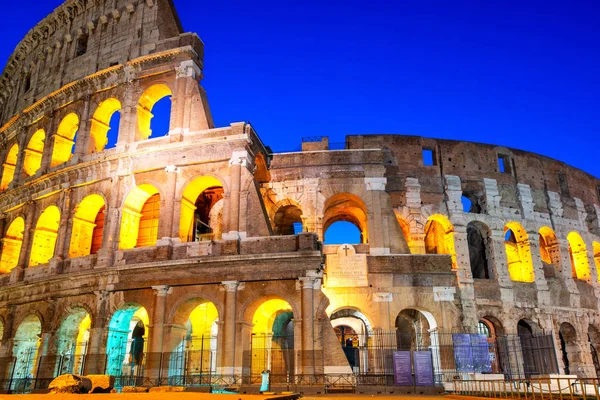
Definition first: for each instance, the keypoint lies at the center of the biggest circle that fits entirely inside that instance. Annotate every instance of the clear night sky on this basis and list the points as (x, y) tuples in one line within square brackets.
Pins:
[(523, 74)]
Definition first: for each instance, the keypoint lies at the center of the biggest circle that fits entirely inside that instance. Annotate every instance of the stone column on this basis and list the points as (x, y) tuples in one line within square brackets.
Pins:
[(110, 235), (50, 132), (83, 132), (129, 106), (157, 330), (2, 230), (238, 160), (30, 215), (167, 227), (566, 274), (501, 268), (63, 241), (377, 231), (230, 363), (384, 299), (158, 317), (308, 285), (20, 175)]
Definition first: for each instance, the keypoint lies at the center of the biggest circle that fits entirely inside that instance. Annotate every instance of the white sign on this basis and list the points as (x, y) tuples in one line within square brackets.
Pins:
[(346, 268)]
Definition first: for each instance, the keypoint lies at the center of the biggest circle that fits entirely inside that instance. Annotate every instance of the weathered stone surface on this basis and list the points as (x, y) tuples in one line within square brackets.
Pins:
[(198, 212), (167, 389), (101, 383), (70, 384), (134, 389)]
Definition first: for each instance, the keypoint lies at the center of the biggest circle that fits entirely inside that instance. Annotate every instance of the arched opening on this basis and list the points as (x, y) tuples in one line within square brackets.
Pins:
[(594, 342), (139, 223), (11, 245), (518, 253), (354, 332), (497, 343), (342, 232), (480, 251), (596, 250), (150, 100), (416, 330), (273, 339), (8, 169), (579, 260), (64, 140), (439, 237), (101, 124), (127, 341), (287, 220), (202, 210), (348, 208), (549, 251), (44, 237), (412, 330), (33, 153), (537, 349), (25, 350), (71, 342), (196, 353), (86, 236), (261, 172), (471, 201), (568, 346)]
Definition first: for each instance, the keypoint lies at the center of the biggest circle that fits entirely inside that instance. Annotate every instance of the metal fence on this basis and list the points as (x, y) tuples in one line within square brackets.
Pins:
[(531, 388), (370, 358)]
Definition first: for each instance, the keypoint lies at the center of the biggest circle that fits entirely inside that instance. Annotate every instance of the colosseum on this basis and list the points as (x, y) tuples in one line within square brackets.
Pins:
[(197, 256)]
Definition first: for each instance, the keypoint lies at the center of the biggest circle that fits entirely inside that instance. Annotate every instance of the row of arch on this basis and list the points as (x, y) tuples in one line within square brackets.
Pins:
[(105, 117), (201, 216), (195, 332), (439, 239)]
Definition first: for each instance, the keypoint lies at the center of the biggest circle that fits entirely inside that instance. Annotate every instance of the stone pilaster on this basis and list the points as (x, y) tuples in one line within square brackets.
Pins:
[(308, 285), (238, 160), (377, 223), (453, 191), (231, 361), (492, 197)]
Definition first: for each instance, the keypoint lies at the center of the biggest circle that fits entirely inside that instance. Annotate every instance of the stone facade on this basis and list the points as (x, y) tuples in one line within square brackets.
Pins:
[(96, 232)]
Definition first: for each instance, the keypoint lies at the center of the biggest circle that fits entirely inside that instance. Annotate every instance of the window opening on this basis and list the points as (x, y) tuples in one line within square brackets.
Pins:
[(428, 157), (82, 44)]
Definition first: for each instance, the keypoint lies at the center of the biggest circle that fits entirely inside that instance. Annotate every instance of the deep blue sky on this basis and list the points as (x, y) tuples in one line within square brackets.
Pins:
[(524, 74)]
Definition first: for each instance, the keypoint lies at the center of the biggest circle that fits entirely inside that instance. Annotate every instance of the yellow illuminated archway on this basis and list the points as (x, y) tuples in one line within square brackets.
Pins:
[(549, 248), (11, 247), (518, 253), (100, 124), (139, 223), (272, 337), (596, 250), (44, 237), (85, 228), (144, 109), (265, 315), (439, 237), (188, 204), (64, 140), (579, 259), (202, 319), (8, 169), (33, 153)]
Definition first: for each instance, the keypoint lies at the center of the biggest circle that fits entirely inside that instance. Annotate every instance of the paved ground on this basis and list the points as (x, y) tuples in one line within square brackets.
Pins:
[(201, 396)]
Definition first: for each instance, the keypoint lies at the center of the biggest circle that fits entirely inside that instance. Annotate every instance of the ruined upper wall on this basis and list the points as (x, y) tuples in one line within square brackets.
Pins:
[(472, 162), (80, 38)]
